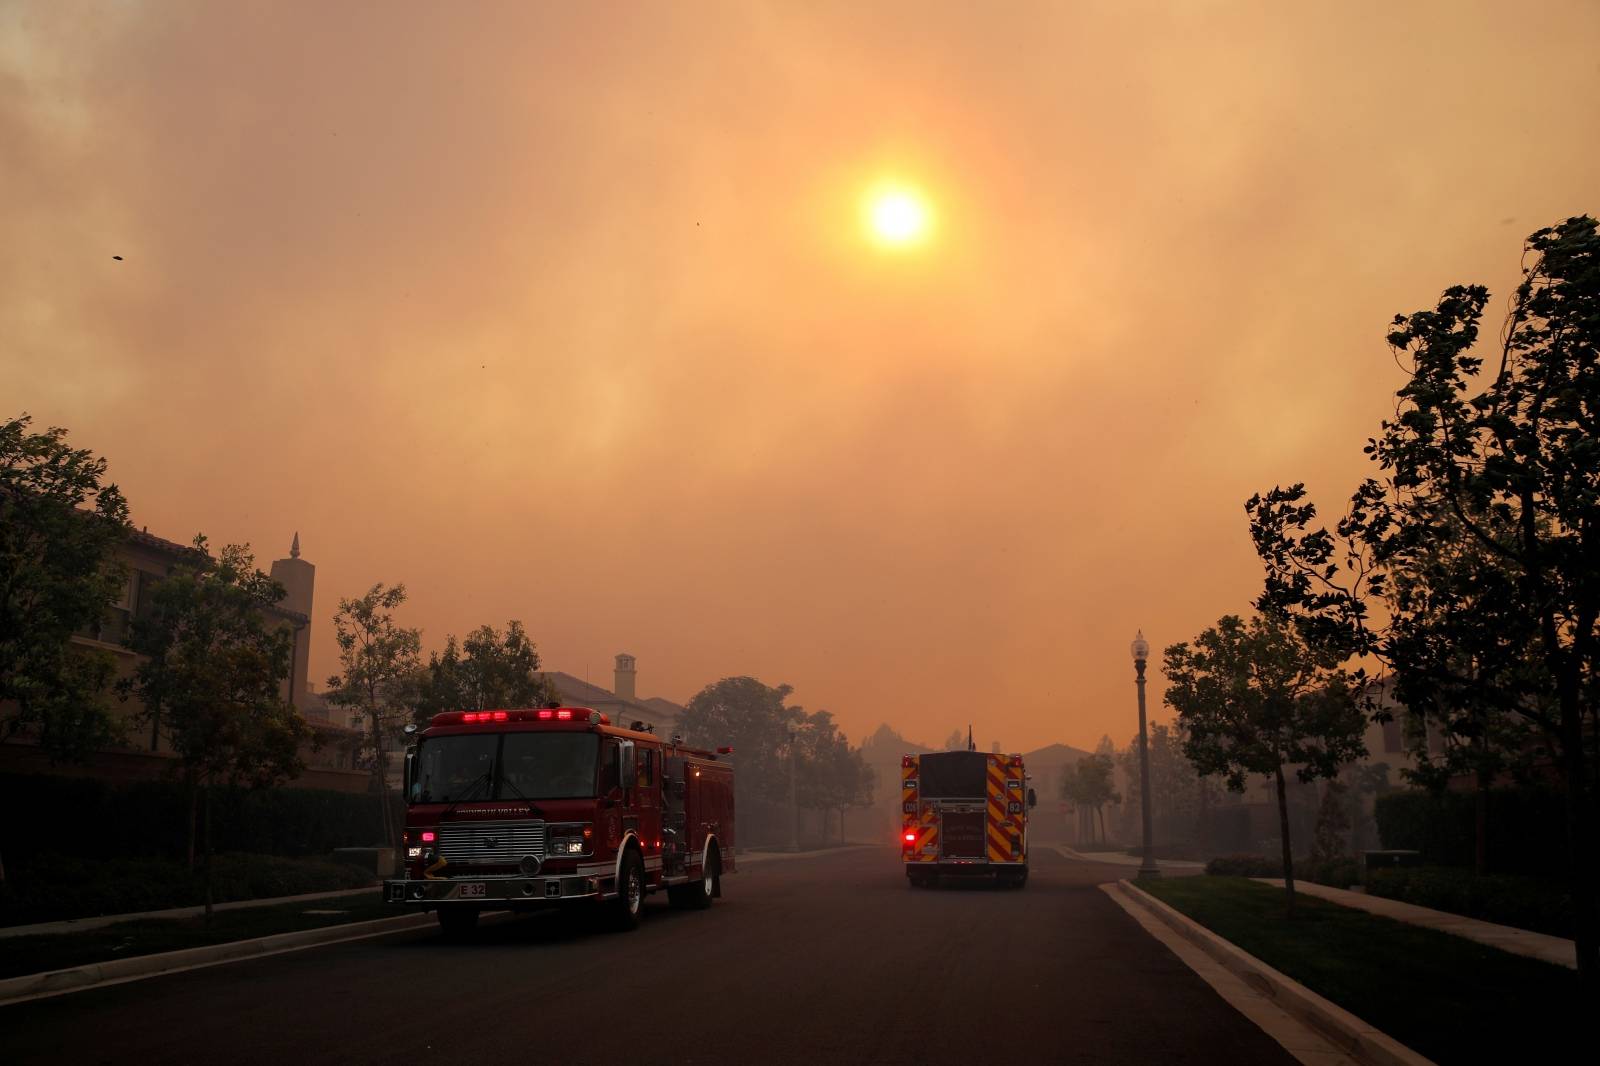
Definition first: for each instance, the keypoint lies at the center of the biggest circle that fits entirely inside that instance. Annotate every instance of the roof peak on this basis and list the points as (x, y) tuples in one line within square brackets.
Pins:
[(294, 546)]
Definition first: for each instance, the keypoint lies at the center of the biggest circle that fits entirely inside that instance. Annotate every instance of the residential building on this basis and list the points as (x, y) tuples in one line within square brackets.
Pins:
[(146, 752), (621, 702)]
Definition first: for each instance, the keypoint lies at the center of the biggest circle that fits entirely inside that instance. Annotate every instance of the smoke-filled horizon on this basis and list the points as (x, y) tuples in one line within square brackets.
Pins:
[(566, 314)]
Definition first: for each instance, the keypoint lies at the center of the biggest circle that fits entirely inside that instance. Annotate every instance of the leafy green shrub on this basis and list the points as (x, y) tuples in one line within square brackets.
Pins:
[(1338, 873), (1244, 866), (1527, 828), (1538, 904), (151, 818), (55, 887)]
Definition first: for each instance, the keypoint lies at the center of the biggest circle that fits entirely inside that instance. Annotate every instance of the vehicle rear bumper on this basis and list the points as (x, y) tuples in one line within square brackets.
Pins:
[(963, 867), (497, 891)]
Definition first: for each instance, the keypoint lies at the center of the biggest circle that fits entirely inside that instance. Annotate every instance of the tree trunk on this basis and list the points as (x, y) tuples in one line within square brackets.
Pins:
[(1203, 829), (1283, 832), (1480, 848), (194, 813), (207, 788), (1580, 839), (380, 773)]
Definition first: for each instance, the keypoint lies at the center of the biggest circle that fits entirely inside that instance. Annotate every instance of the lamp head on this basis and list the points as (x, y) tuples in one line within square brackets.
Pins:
[(1140, 648)]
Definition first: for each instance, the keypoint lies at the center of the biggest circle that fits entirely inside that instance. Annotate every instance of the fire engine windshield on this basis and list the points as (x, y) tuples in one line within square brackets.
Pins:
[(505, 766), (953, 774)]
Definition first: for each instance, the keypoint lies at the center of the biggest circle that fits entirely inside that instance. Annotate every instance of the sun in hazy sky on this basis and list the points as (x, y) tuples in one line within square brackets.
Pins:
[(896, 216)]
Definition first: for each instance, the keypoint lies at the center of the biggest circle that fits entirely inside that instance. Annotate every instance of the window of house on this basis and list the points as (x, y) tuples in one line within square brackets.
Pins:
[(1392, 741)]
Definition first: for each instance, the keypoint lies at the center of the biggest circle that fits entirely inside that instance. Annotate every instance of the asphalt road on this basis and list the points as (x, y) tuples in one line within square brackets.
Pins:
[(826, 959)]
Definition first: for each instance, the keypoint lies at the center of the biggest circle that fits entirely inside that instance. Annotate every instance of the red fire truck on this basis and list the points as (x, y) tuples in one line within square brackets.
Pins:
[(556, 806)]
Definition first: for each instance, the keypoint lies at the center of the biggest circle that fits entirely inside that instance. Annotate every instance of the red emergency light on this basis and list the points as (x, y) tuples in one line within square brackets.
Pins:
[(564, 714), (911, 838)]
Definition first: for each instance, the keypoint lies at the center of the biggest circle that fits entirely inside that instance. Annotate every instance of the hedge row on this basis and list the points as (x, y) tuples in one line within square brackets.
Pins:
[(1336, 873), (53, 888), (45, 815), (1523, 902), (1527, 828)]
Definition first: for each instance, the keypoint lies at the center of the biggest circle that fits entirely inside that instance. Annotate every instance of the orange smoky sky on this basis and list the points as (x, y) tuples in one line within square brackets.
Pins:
[(564, 313)]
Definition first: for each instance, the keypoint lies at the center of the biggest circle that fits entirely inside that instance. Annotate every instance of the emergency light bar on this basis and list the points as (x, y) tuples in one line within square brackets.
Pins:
[(551, 714)]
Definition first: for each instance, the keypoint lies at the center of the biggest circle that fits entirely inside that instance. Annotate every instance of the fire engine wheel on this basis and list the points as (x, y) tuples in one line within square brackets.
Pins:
[(457, 920), (699, 895), (628, 907)]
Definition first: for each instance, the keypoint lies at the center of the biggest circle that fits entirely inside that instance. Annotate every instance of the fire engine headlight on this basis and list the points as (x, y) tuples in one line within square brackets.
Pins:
[(567, 846), (414, 853)]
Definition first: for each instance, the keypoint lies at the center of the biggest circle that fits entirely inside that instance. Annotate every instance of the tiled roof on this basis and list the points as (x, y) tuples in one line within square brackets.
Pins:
[(161, 544), (581, 692)]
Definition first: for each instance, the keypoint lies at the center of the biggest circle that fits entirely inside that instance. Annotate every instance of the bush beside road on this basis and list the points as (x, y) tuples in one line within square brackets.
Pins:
[(1538, 904), (54, 888), (124, 940), (1450, 999)]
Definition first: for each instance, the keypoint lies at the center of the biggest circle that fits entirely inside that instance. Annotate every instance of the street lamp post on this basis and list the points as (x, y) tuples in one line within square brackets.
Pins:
[(1141, 652), (794, 808)]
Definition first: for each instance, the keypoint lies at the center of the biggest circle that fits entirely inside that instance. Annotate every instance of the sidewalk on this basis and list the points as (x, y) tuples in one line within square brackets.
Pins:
[(1118, 858), (1542, 946), (79, 925)]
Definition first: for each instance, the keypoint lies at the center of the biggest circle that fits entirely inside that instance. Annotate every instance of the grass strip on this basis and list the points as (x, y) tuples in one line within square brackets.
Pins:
[(37, 954), (1451, 999)]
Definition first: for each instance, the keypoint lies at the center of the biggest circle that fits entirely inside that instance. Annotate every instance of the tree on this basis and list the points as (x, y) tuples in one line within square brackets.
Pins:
[(956, 741), (1468, 689), (751, 718), (59, 526), (1255, 698), (1090, 784), (380, 665), (1179, 796), (832, 775), (212, 675), (1505, 470), (489, 669), (1332, 839)]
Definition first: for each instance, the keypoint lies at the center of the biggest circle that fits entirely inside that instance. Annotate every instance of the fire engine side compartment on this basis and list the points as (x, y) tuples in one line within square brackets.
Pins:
[(709, 807)]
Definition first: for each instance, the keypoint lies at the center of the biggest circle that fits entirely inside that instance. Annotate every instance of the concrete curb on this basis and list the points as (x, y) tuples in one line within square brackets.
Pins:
[(100, 921), (1352, 1035), (77, 978)]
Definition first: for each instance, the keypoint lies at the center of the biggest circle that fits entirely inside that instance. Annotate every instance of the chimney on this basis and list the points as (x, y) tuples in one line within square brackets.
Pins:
[(298, 579), (623, 685)]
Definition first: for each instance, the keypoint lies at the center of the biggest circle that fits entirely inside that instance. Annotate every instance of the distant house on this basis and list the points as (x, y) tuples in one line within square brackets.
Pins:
[(149, 560), (621, 703)]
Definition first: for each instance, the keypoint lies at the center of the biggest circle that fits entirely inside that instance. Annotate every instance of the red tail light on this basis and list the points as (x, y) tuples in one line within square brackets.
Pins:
[(911, 838), (563, 716), (545, 716), (470, 716), (501, 716), (427, 836)]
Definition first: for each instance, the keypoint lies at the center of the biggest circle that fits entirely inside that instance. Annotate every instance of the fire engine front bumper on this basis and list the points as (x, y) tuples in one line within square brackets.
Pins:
[(491, 891)]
